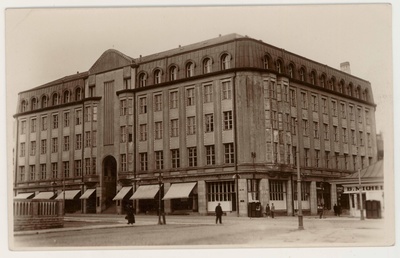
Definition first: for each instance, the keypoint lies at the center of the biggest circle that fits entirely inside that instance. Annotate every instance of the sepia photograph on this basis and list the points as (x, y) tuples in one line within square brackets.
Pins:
[(199, 127)]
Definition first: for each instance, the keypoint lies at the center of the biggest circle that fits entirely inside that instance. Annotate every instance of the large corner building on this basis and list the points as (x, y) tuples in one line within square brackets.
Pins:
[(219, 121)]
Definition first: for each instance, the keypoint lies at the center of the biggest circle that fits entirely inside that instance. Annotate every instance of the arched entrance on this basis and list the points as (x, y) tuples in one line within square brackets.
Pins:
[(109, 180)]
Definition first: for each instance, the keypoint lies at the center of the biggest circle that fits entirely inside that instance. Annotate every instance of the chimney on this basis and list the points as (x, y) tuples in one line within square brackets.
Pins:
[(345, 67)]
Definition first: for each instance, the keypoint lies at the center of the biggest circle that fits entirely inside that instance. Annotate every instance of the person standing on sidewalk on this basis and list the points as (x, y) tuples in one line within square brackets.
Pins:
[(130, 214), (267, 210), (218, 214), (272, 210)]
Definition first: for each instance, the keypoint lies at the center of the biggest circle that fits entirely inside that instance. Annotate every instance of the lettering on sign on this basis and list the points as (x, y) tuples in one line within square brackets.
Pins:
[(364, 188)]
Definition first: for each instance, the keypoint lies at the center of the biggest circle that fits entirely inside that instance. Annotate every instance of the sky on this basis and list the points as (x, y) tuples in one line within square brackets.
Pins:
[(42, 45)]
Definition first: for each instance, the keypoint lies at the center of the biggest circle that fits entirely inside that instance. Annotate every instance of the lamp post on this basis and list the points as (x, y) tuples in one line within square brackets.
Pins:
[(360, 192), (236, 177), (299, 204), (159, 199)]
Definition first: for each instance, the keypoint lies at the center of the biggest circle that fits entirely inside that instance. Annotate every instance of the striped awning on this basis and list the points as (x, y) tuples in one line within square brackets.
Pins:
[(87, 194), (69, 194), (122, 193), (179, 191), (44, 195), (21, 196), (145, 192)]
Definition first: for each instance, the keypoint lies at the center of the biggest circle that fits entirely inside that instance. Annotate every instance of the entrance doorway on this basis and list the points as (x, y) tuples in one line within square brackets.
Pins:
[(109, 180)]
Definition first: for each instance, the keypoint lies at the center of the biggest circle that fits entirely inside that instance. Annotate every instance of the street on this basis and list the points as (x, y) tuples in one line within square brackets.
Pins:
[(185, 231)]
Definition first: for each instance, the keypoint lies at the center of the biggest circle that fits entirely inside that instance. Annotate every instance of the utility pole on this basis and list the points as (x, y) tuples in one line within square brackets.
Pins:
[(360, 192), (299, 204)]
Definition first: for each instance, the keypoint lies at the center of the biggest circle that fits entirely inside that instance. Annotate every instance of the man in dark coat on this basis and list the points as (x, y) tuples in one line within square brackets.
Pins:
[(218, 214), (130, 214), (267, 210)]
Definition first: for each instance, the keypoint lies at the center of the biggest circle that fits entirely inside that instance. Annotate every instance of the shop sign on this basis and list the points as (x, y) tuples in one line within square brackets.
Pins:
[(364, 188)]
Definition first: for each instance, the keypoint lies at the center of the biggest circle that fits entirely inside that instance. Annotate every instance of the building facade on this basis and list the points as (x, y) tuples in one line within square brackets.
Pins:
[(219, 121)]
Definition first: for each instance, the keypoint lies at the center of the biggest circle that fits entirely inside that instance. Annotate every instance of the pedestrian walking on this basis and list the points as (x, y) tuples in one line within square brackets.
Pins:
[(320, 211), (218, 214), (130, 214), (267, 210), (335, 209), (272, 210)]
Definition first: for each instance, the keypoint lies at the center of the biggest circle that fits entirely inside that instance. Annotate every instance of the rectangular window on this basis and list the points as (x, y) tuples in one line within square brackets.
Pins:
[(226, 90), (158, 102), (55, 121), (44, 123), (192, 155), (294, 126), (142, 105), (33, 125), (304, 100), (292, 97), (343, 110), (209, 123), (276, 190), (123, 163), (22, 149), (324, 106), (123, 107), (359, 114), (274, 119), (326, 132), (316, 130), (175, 158), (127, 83), (285, 93), (92, 91), (327, 159), (33, 148), (314, 102), (93, 166), (229, 153), (66, 143), (336, 160), (94, 138), (317, 158), (275, 152), (272, 90), (210, 155), (143, 161), (191, 125), (94, 116), (361, 138), (158, 130), (355, 167), (305, 127), (367, 117), (306, 157), (23, 127), (208, 93), (346, 161), (190, 97), (143, 132), (228, 122), (78, 168), (344, 135), (174, 128), (159, 160), (294, 153), (88, 140), (173, 99), (22, 173), (88, 114), (54, 170), (78, 117), (54, 145), (351, 112), (123, 134), (334, 107), (78, 143), (32, 172), (88, 166), (66, 119), (287, 122), (353, 137), (335, 133), (66, 169), (43, 146), (43, 171), (369, 139), (221, 191)]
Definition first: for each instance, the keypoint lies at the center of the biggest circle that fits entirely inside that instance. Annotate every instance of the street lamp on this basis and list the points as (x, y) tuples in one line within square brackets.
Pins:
[(359, 188), (299, 204)]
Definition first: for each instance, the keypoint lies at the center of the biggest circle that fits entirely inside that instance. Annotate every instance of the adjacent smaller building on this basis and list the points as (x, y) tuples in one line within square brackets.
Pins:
[(348, 192)]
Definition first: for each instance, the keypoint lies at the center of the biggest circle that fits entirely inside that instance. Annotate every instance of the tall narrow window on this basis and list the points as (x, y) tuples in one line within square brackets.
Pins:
[(314, 103), (304, 100), (317, 158), (173, 99), (44, 123), (32, 172), (66, 143), (22, 149), (305, 127), (123, 107), (225, 62), (78, 94), (66, 169), (78, 142), (174, 128), (306, 157), (123, 163), (190, 97), (173, 73), (142, 80), (228, 121), (158, 130), (143, 132), (324, 106), (123, 134), (54, 145), (43, 146), (55, 121), (143, 161), (33, 148), (316, 130), (353, 137), (209, 123), (192, 155), (189, 69), (266, 62), (208, 93), (78, 117), (326, 132), (344, 135), (312, 78), (66, 119), (78, 168), (66, 96), (207, 65), (210, 155), (42, 171), (302, 75), (229, 153), (158, 102), (157, 77), (54, 170), (127, 83), (334, 107), (45, 101), (88, 139), (143, 105), (335, 133), (33, 125), (159, 160), (292, 93), (191, 125), (175, 158), (226, 90)]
